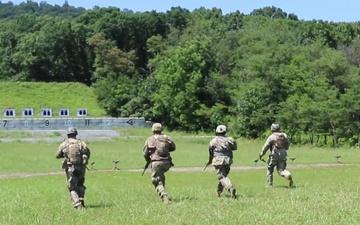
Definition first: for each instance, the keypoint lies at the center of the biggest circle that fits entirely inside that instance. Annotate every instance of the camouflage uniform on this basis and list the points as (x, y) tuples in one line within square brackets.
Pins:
[(76, 155), (221, 157), (278, 144), (157, 150)]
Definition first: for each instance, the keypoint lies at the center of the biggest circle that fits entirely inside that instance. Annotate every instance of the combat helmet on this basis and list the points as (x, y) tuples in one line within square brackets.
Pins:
[(220, 129), (72, 130), (156, 127), (275, 127)]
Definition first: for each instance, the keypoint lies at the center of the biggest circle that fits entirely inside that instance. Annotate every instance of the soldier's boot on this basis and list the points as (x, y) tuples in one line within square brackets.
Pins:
[(82, 202), (233, 193), (75, 199), (78, 206), (165, 199), (81, 193), (291, 182)]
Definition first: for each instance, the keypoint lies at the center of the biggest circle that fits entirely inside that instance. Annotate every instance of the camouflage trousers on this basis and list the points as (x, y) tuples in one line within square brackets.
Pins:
[(75, 176), (222, 175), (159, 168), (280, 165)]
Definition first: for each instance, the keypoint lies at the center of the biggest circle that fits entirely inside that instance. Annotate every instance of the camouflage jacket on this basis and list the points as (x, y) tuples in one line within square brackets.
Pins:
[(222, 146), (158, 147), (277, 141), (64, 151)]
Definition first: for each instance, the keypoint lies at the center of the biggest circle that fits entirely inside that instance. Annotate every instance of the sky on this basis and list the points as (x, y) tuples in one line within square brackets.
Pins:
[(327, 10)]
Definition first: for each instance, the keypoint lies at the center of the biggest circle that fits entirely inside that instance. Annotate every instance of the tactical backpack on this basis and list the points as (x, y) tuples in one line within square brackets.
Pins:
[(161, 145), (74, 151), (280, 141), (222, 144)]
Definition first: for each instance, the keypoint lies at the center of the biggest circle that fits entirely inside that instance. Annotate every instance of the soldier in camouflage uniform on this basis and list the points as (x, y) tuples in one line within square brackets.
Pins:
[(76, 155), (278, 144), (221, 157), (156, 151)]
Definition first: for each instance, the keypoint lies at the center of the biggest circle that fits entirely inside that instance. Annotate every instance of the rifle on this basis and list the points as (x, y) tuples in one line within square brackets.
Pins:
[(261, 159), (145, 167), (64, 165), (206, 165), (209, 161)]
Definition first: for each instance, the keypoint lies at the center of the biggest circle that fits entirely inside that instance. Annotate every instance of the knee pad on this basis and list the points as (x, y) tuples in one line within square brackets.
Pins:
[(155, 181), (285, 173), (220, 176), (227, 183)]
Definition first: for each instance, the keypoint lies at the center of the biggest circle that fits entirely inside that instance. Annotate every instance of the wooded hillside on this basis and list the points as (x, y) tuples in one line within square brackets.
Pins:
[(194, 70)]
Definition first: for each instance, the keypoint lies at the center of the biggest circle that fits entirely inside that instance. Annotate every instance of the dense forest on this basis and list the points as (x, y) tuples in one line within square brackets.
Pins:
[(192, 70)]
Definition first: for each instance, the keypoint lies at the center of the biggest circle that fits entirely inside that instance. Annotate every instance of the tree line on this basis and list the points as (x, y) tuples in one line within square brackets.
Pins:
[(192, 70)]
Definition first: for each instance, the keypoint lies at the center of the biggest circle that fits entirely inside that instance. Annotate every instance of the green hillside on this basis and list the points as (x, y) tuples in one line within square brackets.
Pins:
[(39, 95)]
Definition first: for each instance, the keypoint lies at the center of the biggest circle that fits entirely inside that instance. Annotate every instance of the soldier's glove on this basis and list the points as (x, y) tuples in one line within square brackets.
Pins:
[(63, 165), (85, 159), (211, 156), (147, 158), (260, 157)]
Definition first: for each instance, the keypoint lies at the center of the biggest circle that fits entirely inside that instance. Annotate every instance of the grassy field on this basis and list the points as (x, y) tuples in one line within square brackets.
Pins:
[(326, 194), (39, 95), (190, 152), (322, 196)]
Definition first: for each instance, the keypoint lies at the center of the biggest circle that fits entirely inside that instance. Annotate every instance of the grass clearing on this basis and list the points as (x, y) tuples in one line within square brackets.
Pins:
[(10, 134), (131, 133), (145, 132), (24, 157), (322, 196), (39, 95)]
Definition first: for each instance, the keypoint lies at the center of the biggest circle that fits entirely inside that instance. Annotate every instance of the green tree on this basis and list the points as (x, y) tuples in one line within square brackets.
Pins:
[(184, 98), (8, 67), (273, 12), (112, 76), (56, 52)]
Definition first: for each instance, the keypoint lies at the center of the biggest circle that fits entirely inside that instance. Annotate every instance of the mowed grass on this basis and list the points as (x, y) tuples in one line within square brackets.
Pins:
[(321, 196), (39, 95), (137, 132), (40, 157), (327, 194)]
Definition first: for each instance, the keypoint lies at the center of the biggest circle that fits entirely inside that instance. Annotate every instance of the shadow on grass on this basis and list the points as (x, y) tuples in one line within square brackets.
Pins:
[(95, 206), (287, 187), (238, 197), (182, 199)]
